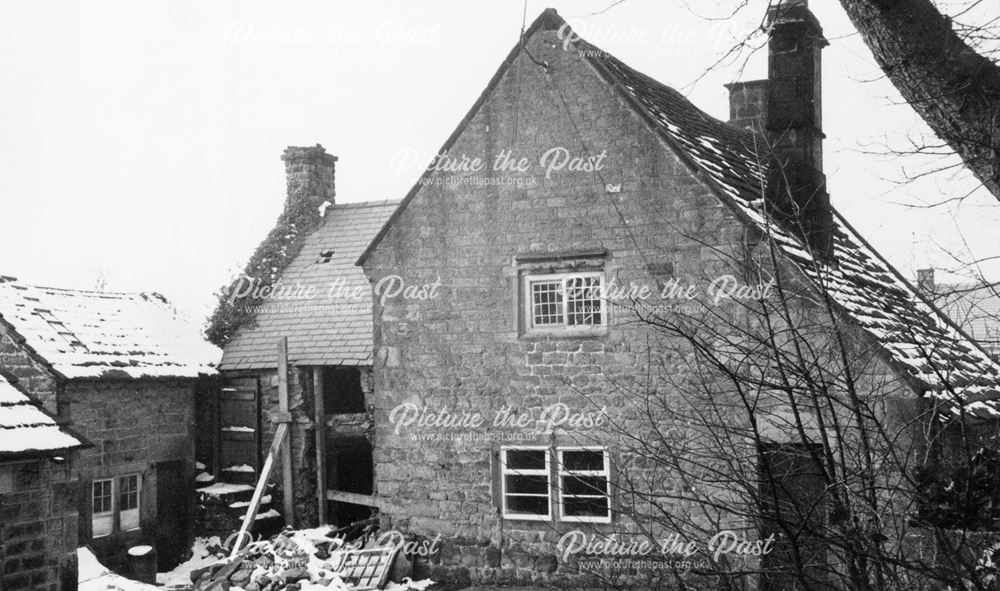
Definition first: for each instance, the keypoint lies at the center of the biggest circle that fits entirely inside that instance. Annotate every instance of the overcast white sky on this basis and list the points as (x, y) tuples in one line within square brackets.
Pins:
[(140, 141)]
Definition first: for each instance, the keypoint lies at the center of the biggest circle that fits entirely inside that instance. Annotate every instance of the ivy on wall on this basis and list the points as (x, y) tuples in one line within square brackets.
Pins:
[(263, 270)]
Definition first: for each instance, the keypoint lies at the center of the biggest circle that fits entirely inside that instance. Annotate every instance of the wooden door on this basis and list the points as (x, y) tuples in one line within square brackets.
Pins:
[(239, 430)]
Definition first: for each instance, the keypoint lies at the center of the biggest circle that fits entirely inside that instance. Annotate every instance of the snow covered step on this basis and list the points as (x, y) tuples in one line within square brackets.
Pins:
[(227, 492), (240, 474), (265, 500), (243, 468)]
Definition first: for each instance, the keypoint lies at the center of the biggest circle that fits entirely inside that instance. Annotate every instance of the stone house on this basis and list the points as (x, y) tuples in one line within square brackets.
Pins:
[(123, 370), (300, 285), (572, 175), (38, 513), (973, 307)]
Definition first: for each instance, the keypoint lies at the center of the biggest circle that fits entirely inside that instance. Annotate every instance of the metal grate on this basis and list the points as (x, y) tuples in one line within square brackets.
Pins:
[(367, 569)]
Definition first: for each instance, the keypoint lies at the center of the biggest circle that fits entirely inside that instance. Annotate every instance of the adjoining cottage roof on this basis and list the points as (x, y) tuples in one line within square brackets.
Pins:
[(975, 308), (90, 334), (26, 430), (917, 338), (333, 324)]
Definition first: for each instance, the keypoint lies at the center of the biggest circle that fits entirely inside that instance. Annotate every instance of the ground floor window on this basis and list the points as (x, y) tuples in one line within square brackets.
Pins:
[(560, 483), (115, 504)]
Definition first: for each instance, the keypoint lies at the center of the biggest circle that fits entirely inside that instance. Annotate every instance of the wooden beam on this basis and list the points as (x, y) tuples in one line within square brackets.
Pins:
[(357, 499), (320, 420), (286, 451), (258, 492)]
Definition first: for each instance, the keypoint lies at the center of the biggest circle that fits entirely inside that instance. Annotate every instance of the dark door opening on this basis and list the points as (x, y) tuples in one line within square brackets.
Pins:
[(349, 468), (342, 392), (793, 510), (239, 431)]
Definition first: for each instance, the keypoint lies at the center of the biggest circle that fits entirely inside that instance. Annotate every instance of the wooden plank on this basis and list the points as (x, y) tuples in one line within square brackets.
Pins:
[(286, 451), (355, 498), (320, 421), (258, 493)]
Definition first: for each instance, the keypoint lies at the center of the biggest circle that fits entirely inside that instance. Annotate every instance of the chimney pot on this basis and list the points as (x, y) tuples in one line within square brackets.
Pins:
[(748, 104), (925, 281)]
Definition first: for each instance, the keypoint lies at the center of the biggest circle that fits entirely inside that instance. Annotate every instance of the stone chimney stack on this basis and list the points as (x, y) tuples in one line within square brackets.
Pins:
[(793, 121), (748, 104), (310, 174), (925, 281)]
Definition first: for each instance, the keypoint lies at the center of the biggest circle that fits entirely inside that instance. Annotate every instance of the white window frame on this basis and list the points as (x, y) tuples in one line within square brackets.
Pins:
[(562, 472), (116, 520), (102, 523), (528, 309), (546, 472), (132, 515)]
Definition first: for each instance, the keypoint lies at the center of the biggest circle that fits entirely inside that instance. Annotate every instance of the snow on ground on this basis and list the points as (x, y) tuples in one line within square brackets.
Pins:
[(94, 576), (201, 557), (304, 539)]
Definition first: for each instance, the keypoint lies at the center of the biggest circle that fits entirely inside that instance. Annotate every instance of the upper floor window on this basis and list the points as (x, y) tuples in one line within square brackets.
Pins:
[(571, 302)]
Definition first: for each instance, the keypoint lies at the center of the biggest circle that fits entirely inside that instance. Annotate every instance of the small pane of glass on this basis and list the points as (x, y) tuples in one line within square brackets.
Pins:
[(546, 303)]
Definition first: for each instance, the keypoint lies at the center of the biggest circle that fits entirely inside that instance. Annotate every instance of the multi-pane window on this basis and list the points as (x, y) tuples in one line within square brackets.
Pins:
[(567, 483), (584, 493), (565, 301), (102, 507), (114, 504), (526, 482), (128, 501)]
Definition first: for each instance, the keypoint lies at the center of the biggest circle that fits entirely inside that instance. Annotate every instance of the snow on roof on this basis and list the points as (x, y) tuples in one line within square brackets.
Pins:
[(91, 334), (917, 337), (26, 430), (975, 308)]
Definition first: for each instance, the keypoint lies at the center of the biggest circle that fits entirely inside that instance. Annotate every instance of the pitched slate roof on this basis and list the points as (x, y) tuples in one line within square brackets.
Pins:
[(976, 308), (915, 336), (334, 325), (28, 431), (90, 334)]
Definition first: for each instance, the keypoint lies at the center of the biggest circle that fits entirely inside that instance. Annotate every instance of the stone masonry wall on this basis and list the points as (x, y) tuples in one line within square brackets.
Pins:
[(30, 373), (133, 425), (38, 525), (463, 351)]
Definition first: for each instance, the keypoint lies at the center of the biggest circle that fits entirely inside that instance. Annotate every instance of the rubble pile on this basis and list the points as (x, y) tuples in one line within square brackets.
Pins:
[(308, 560)]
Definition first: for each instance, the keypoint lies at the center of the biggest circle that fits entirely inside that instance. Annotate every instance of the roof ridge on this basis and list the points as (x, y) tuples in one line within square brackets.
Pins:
[(16, 283), (362, 204)]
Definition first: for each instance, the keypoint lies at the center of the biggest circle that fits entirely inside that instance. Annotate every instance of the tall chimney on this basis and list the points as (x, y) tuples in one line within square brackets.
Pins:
[(925, 281), (796, 183), (310, 174), (748, 104)]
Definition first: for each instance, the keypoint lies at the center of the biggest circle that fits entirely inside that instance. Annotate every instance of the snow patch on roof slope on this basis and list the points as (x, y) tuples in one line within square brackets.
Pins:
[(90, 334)]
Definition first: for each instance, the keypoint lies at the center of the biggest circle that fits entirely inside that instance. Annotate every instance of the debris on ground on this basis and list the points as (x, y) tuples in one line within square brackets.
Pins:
[(318, 559), (205, 552)]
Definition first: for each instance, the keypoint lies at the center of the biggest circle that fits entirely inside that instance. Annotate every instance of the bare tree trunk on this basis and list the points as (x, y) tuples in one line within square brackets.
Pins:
[(953, 88)]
